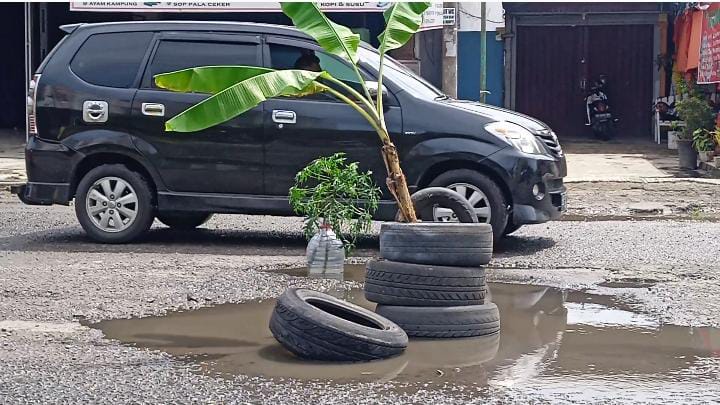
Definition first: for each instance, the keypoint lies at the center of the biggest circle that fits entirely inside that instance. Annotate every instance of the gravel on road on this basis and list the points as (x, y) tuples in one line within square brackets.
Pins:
[(52, 276)]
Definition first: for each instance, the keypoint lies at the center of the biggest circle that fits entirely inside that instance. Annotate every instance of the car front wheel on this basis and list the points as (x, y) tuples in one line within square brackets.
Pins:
[(114, 204), (483, 193)]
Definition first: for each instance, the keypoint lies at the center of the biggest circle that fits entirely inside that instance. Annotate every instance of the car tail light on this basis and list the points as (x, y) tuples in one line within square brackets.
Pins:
[(31, 105)]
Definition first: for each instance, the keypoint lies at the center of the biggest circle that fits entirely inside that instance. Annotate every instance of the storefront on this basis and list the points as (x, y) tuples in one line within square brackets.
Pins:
[(697, 51), (696, 64), (554, 52)]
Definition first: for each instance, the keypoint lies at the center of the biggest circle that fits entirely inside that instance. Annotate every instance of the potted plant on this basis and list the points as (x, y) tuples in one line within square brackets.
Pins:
[(715, 134), (697, 114), (704, 144), (237, 89), (338, 202)]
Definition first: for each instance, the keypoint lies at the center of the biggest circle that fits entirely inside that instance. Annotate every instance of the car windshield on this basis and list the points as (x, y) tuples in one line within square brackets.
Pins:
[(401, 75)]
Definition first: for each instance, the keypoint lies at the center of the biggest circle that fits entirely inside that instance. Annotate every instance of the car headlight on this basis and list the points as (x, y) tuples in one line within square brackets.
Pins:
[(516, 136)]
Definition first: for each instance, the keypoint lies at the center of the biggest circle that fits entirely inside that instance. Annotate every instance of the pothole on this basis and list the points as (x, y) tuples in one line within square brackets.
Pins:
[(572, 338)]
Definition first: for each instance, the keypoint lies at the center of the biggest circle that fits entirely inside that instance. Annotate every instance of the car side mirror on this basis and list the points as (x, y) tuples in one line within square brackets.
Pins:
[(373, 89)]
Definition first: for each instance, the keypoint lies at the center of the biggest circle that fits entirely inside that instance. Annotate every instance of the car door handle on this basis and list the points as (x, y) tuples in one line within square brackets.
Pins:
[(154, 109), (284, 117)]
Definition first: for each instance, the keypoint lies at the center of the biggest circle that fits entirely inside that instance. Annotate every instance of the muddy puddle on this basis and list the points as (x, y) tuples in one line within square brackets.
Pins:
[(557, 339)]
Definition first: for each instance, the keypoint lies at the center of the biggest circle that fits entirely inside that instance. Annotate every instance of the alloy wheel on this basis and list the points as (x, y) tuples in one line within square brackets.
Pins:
[(111, 204), (474, 195)]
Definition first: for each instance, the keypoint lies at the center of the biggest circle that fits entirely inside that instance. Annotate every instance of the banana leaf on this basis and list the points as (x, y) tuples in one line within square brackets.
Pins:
[(243, 96), (334, 38), (402, 20), (207, 79)]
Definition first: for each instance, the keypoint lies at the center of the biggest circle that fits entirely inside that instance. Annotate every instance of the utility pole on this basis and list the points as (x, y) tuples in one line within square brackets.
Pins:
[(449, 62), (483, 52), (28, 60)]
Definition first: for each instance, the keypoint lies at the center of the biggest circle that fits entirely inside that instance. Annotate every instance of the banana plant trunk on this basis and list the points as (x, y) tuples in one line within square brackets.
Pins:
[(396, 182)]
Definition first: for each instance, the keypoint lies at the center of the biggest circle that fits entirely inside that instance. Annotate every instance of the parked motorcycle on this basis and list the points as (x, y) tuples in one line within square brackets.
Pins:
[(598, 114)]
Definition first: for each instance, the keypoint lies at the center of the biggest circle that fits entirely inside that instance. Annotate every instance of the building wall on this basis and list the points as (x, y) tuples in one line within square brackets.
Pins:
[(469, 35), (566, 46), (430, 55), (12, 68), (469, 67)]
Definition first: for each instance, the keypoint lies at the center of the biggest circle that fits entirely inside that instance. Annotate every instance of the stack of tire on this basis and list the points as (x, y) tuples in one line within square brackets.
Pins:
[(430, 280)]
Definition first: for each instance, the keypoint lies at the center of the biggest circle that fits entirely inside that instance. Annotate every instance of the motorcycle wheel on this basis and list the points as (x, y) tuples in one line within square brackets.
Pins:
[(603, 130)]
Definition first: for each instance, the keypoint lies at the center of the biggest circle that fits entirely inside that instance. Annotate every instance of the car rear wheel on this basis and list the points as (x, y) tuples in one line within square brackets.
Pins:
[(114, 204), (483, 193), (183, 220)]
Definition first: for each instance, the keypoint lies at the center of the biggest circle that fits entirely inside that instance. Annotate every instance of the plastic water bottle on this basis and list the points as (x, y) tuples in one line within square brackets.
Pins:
[(325, 255)]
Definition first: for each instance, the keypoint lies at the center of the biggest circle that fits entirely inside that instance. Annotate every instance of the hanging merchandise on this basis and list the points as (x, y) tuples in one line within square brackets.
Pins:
[(709, 61)]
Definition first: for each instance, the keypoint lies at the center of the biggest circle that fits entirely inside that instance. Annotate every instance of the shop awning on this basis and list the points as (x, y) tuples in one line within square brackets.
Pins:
[(432, 19)]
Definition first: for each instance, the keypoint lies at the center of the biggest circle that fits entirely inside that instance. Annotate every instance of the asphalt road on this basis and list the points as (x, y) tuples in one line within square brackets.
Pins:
[(51, 276)]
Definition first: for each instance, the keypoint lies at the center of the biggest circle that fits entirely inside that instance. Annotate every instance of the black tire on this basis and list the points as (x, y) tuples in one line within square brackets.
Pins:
[(393, 283), (317, 326), (444, 322), (427, 199), (495, 196), (603, 130), (144, 205), (183, 220), (511, 227), (437, 243)]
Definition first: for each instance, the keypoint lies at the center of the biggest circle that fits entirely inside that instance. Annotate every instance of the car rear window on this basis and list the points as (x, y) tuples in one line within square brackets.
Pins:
[(111, 60)]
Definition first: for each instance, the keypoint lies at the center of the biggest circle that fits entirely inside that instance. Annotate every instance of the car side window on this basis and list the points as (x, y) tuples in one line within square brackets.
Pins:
[(292, 57), (111, 60), (172, 55)]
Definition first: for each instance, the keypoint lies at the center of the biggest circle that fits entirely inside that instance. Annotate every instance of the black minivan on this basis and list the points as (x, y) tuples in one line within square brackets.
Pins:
[(97, 134)]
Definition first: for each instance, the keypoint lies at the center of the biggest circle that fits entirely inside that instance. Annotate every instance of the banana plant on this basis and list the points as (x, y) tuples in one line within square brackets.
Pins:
[(236, 89)]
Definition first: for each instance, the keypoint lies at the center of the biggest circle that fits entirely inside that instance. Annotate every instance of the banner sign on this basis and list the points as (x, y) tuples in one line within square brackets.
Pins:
[(709, 64), (432, 19)]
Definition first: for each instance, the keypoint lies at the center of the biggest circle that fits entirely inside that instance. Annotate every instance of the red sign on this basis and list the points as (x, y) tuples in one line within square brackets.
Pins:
[(709, 65)]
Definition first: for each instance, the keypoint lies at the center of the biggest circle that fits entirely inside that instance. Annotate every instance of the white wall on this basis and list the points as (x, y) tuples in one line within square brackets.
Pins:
[(469, 13)]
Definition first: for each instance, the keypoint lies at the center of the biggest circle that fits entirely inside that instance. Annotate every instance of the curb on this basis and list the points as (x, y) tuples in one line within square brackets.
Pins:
[(5, 185), (710, 168), (715, 181)]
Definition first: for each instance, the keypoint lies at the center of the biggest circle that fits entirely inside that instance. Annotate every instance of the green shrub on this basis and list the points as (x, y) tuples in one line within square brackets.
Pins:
[(693, 109), (331, 192), (703, 140)]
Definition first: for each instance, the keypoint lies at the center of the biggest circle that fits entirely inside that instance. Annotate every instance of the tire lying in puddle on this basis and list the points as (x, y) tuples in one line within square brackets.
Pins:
[(317, 326), (444, 322), (437, 243), (394, 283)]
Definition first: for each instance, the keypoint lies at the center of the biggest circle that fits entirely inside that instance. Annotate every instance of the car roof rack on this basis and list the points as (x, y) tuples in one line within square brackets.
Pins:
[(70, 28)]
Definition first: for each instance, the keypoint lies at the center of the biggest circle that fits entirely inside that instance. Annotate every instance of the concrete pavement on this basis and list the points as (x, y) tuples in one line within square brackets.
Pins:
[(12, 157), (621, 161)]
